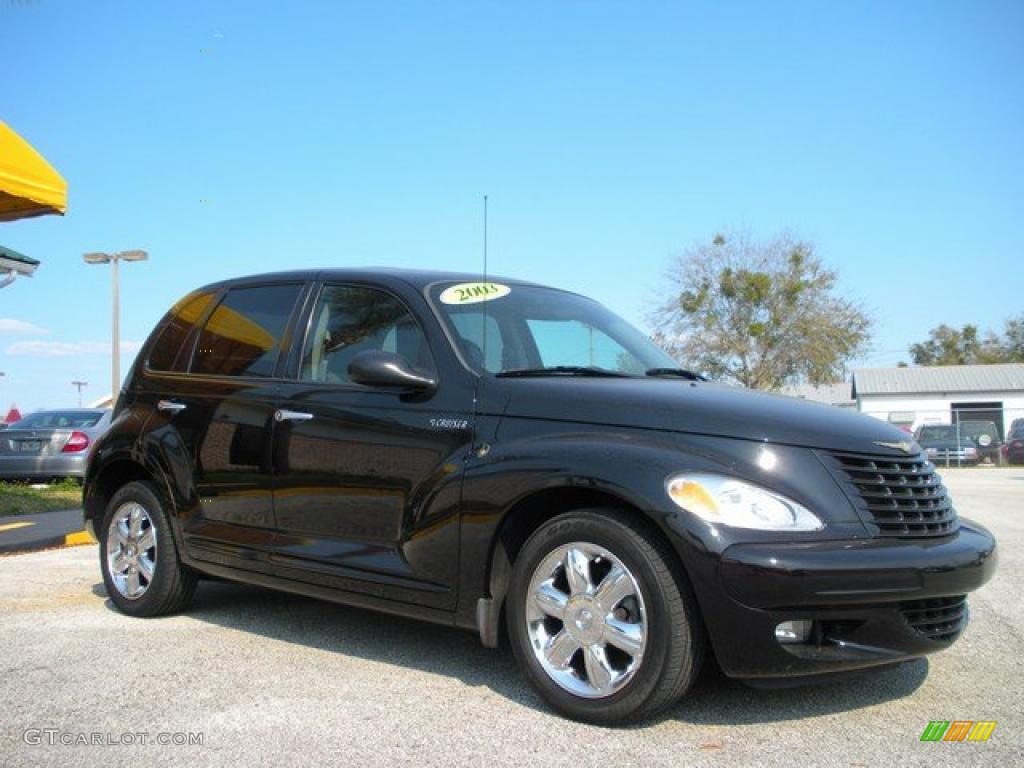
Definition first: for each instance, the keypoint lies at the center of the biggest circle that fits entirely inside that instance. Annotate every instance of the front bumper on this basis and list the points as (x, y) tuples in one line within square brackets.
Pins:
[(872, 601), (56, 465)]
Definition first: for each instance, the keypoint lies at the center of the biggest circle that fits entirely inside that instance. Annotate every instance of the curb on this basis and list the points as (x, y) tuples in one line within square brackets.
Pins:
[(76, 539)]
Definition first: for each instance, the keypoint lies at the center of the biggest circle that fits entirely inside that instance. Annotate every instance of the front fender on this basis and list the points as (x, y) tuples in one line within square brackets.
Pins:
[(628, 467)]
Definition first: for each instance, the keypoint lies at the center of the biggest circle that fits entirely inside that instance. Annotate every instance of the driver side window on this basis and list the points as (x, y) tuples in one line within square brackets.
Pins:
[(353, 319)]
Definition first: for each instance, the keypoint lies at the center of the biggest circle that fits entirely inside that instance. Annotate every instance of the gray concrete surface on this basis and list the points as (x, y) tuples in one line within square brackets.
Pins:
[(274, 680)]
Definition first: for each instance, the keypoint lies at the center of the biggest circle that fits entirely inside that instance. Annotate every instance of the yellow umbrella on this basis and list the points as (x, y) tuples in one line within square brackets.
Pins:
[(29, 186)]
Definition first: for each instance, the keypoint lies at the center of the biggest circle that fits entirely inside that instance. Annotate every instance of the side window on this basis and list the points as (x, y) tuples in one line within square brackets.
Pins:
[(243, 335), (166, 353), (351, 319)]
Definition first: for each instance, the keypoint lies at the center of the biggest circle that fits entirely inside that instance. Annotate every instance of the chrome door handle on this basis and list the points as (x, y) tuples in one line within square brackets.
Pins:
[(283, 415), (171, 406)]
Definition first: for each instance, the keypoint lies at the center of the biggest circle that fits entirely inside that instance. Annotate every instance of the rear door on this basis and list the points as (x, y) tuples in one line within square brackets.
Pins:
[(368, 481), (218, 414)]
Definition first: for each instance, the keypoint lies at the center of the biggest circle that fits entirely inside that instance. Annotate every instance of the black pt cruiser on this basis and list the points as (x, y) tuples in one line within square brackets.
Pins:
[(515, 459)]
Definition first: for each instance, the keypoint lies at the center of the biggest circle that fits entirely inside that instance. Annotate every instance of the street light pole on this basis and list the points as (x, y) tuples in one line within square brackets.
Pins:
[(115, 334), (79, 385), (114, 259)]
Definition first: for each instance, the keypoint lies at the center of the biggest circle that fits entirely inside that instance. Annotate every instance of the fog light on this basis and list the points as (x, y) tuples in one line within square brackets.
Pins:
[(793, 632)]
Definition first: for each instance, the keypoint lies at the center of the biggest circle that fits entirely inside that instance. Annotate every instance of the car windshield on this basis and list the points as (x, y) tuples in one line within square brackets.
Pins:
[(937, 434), (544, 330), (59, 420)]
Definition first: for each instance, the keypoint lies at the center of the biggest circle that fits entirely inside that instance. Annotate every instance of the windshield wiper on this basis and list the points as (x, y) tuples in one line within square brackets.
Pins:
[(681, 373), (561, 370)]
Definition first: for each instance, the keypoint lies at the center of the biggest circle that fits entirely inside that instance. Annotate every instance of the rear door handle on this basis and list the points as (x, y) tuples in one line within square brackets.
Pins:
[(171, 406), (285, 415)]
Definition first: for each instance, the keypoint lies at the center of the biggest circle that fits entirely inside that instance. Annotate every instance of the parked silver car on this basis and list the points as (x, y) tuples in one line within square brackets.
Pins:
[(49, 444)]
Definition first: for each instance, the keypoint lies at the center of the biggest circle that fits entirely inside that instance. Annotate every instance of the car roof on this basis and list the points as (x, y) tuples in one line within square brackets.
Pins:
[(417, 278)]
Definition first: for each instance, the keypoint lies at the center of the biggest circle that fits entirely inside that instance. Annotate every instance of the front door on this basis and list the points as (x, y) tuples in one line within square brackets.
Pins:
[(367, 481)]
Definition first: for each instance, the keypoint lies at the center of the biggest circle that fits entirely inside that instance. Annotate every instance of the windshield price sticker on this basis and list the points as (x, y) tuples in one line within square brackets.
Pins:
[(474, 293)]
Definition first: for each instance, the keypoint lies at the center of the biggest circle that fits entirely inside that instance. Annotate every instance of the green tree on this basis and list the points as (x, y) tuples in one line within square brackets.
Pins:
[(762, 314), (965, 346), (1013, 339)]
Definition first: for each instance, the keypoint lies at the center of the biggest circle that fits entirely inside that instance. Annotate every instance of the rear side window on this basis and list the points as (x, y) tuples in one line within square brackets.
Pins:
[(242, 337), (166, 352)]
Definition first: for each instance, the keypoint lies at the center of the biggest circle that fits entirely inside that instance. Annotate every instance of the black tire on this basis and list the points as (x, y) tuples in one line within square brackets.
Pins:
[(173, 584), (675, 643)]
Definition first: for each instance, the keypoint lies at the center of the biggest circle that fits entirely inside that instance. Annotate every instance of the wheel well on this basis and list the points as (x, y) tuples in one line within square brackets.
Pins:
[(114, 476), (530, 513)]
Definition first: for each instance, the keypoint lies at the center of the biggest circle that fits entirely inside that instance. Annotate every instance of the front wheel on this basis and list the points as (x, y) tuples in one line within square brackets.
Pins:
[(601, 619), (141, 568)]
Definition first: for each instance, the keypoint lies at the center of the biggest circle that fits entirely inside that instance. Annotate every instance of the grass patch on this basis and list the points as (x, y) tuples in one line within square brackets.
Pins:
[(22, 499)]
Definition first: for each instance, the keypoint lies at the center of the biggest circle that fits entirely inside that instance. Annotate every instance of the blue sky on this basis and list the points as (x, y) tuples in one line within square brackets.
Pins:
[(609, 136)]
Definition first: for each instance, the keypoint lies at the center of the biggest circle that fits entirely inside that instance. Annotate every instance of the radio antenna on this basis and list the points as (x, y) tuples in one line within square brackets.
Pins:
[(484, 320)]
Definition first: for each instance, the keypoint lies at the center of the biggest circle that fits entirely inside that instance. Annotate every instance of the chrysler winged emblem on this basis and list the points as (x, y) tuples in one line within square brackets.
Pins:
[(902, 445)]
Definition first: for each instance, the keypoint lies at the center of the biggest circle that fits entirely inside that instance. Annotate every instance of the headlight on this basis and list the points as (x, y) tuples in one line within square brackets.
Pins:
[(732, 502)]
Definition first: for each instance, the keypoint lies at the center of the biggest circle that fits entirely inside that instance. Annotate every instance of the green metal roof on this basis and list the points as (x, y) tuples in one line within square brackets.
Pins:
[(7, 253)]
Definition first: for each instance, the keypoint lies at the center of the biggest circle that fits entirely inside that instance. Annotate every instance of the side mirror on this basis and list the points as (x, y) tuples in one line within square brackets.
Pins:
[(375, 368)]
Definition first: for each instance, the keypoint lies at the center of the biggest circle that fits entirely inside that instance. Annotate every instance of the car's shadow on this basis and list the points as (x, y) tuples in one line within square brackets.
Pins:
[(714, 700)]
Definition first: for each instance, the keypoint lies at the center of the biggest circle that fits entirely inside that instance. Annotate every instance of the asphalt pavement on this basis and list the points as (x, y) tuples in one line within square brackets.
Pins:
[(268, 679), (24, 533)]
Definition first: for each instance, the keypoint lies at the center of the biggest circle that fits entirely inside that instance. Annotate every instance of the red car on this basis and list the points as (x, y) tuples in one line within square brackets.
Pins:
[(1014, 446)]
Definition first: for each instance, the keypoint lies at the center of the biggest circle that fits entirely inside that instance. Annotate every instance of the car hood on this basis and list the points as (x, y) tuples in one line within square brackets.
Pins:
[(694, 407)]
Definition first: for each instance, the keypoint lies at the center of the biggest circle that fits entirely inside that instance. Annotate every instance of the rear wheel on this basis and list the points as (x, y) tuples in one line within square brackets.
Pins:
[(601, 619), (141, 569)]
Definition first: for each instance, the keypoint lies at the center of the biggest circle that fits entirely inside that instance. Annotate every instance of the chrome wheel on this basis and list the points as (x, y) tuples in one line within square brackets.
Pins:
[(131, 550), (586, 620)]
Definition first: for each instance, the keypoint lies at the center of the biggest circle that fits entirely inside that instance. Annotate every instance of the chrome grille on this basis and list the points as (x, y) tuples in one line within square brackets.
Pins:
[(939, 618), (900, 497)]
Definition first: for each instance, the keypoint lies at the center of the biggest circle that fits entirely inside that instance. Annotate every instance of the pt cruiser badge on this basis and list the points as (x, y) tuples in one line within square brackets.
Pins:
[(510, 458), (902, 445)]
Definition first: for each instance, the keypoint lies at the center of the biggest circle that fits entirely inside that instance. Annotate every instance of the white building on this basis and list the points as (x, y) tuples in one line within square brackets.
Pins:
[(910, 397), (839, 394)]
